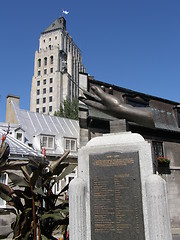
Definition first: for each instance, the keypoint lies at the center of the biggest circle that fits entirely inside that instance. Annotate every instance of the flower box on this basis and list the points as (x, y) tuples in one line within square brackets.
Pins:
[(163, 165)]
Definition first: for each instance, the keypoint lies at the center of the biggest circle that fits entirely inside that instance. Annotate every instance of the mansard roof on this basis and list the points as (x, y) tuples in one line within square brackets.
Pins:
[(162, 109)]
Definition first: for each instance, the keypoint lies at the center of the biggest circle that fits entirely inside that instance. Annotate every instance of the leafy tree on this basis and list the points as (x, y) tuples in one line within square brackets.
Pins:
[(69, 109), (38, 210)]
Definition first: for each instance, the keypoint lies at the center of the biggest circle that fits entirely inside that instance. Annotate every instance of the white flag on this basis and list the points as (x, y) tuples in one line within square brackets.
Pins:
[(65, 12)]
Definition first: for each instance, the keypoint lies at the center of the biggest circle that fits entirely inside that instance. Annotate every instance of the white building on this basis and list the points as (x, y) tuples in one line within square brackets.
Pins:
[(28, 133), (56, 69), (38, 130)]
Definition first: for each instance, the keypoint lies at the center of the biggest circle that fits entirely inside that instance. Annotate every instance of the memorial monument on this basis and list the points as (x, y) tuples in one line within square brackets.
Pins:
[(116, 195)]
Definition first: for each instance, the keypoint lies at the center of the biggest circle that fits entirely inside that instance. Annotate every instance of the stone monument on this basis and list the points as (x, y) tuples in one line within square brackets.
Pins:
[(116, 195)]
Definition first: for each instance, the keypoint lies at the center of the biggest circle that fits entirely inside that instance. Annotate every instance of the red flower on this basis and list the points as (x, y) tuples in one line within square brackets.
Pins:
[(3, 138), (163, 159)]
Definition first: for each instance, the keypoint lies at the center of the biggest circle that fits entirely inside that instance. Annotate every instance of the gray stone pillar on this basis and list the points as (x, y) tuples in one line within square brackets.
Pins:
[(158, 214), (77, 220)]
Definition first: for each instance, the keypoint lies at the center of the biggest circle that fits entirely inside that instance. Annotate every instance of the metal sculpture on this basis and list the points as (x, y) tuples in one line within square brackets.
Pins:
[(111, 105)]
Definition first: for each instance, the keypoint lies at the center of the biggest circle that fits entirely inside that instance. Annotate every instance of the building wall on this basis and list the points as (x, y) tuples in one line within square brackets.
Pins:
[(67, 63), (94, 123), (172, 151)]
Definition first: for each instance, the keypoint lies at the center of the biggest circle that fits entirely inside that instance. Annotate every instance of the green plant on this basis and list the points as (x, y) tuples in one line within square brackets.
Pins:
[(69, 109), (163, 160), (38, 210)]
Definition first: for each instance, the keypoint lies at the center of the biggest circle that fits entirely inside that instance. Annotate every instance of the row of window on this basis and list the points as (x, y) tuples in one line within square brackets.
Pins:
[(45, 90), (50, 39), (49, 143), (45, 61), (45, 71), (44, 81), (44, 109), (44, 100)]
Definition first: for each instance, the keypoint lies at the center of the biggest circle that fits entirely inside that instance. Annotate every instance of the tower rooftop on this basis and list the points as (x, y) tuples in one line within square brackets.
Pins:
[(59, 23)]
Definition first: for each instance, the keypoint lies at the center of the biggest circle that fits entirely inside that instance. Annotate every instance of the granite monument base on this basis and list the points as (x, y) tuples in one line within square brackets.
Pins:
[(116, 195)]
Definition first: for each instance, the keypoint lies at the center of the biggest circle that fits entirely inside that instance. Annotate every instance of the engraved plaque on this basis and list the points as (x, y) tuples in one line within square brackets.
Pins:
[(115, 197)]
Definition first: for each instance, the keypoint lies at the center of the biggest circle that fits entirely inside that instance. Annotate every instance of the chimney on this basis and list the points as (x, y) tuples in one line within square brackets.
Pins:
[(10, 114)]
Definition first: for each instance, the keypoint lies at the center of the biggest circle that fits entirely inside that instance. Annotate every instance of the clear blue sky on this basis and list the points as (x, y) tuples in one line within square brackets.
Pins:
[(130, 43)]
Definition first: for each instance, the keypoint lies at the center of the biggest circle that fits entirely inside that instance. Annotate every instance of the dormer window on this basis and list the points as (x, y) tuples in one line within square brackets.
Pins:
[(177, 112), (136, 100), (47, 142), (71, 144), (19, 134), (178, 117)]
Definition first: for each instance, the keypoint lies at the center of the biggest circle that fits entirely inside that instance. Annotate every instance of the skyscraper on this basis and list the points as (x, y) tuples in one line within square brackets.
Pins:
[(56, 67)]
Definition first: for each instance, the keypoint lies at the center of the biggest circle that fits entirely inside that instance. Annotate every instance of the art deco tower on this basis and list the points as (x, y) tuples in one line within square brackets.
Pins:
[(56, 67)]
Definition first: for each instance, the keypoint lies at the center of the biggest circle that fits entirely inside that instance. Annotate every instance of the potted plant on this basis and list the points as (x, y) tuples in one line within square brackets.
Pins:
[(163, 165)]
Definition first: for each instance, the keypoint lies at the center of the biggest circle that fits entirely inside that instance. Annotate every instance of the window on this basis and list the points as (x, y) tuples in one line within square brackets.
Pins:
[(19, 136), (50, 108), (51, 59), (45, 71), (158, 152), (50, 89), (44, 100), (37, 110), (55, 37), (158, 149), (39, 73), (51, 80), (50, 99), (38, 91), (50, 47), (4, 180), (45, 61), (44, 109), (44, 81), (37, 101), (38, 83), (136, 100), (135, 103), (47, 142), (39, 62), (57, 187), (44, 90), (49, 39), (70, 144), (178, 116), (51, 70)]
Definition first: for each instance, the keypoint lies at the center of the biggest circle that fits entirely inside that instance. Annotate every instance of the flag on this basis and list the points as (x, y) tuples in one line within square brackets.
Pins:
[(65, 12)]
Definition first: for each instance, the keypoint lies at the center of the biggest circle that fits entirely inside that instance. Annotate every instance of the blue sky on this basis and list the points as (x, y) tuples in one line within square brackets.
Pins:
[(130, 43)]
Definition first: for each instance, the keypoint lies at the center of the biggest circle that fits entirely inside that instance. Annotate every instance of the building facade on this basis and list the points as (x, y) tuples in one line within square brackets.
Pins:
[(164, 137), (56, 69)]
